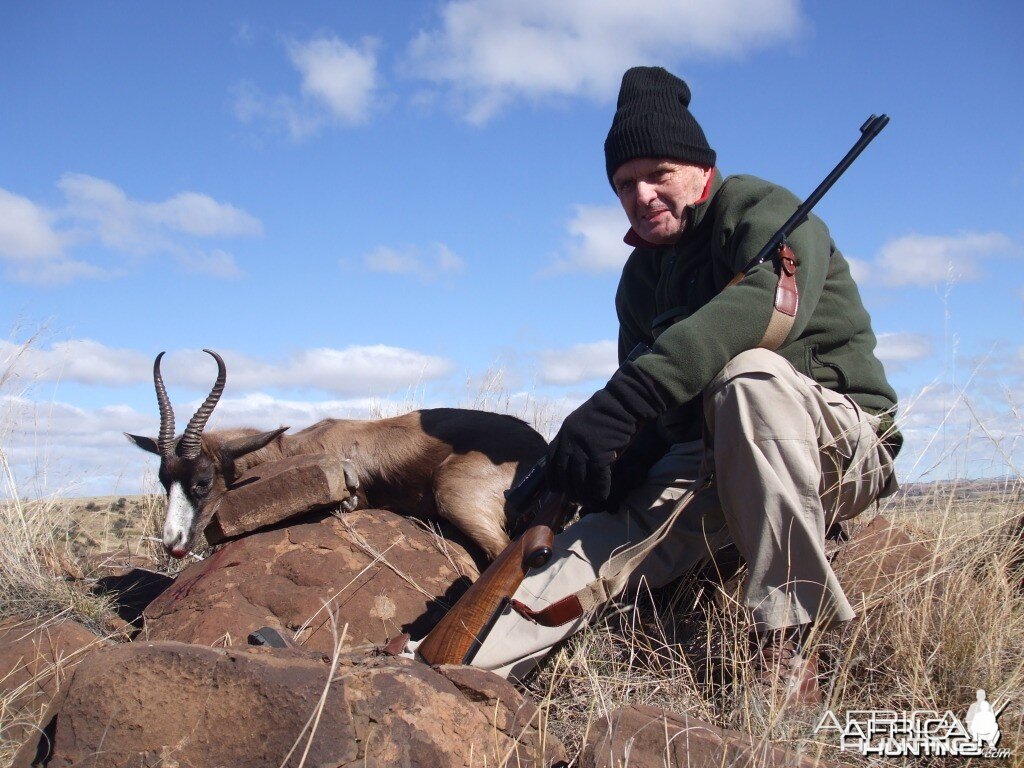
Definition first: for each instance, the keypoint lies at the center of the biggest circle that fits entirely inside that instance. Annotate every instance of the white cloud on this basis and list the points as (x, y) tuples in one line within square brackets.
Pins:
[(340, 76), (413, 261), (34, 250), (263, 411), (26, 230), (578, 363), (56, 272), (491, 52), (340, 84), (252, 105), (596, 244), (36, 241), (933, 259), (353, 371), (202, 216), (56, 447), (142, 227), (898, 349), (362, 370), (80, 360)]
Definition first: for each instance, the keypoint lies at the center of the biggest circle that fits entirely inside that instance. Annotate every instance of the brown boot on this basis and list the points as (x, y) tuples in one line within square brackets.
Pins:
[(786, 673)]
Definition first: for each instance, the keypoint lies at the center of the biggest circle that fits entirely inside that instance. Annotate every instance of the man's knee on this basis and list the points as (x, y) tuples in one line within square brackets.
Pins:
[(758, 382), (751, 362)]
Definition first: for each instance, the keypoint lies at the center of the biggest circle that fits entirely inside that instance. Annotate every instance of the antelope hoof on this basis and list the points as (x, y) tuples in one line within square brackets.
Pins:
[(352, 481)]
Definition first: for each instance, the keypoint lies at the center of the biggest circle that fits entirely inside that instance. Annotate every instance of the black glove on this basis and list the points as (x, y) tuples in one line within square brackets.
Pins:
[(593, 436), (631, 468)]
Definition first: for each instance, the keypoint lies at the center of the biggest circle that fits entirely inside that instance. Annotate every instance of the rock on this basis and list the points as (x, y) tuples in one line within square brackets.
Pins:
[(881, 561), (382, 573), (131, 592), (647, 737), (276, 491), (513, 712), (36, 655), (147, 704)]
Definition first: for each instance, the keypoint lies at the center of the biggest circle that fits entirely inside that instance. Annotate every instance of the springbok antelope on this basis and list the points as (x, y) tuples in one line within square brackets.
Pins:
[(450, 463)]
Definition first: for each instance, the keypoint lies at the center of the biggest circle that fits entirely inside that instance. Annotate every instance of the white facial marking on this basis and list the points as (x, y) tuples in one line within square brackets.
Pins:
[(180, 514)]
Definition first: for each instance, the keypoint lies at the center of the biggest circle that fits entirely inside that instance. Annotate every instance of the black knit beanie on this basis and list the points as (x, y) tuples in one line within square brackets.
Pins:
[(652, 120)]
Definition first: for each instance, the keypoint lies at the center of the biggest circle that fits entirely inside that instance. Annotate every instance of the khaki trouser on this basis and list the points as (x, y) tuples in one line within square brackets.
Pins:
[(789, 456)]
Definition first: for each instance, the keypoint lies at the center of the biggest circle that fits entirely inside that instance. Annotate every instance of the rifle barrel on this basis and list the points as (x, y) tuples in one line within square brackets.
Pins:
[(871, 128)]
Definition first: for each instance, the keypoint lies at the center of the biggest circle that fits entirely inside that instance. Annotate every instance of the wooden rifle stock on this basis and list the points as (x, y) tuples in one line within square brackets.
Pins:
[(456, 638)]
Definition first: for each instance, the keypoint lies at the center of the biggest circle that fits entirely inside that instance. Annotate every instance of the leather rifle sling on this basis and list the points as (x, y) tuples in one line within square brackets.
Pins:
[(787, 298)]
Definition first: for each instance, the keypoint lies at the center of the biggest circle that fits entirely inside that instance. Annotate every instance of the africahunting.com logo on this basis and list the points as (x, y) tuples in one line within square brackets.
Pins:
[(920, 732)]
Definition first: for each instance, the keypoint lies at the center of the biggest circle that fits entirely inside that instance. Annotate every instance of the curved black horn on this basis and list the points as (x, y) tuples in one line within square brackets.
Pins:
[(165, 440), (191, 441)]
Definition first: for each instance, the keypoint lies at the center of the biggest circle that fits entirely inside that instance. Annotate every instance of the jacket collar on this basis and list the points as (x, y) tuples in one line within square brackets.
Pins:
[(694, 213)]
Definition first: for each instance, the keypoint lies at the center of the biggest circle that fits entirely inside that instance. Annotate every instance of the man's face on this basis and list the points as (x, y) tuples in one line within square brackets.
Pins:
[(654, 192)]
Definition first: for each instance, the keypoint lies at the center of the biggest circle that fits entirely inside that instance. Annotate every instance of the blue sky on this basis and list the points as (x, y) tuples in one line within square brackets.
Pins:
[(367, 206)]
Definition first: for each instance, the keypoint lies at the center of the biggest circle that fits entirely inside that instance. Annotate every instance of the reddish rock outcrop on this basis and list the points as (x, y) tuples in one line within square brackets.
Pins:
[(149, 704), (35, 657), (381, 573), (647, 737), (882, 561)]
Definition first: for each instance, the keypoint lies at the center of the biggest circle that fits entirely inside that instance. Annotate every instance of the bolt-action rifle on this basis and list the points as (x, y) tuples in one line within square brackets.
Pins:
[(457, 637)]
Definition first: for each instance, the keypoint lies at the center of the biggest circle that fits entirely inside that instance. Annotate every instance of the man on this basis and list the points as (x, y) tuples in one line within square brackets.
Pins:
[(796, 438)]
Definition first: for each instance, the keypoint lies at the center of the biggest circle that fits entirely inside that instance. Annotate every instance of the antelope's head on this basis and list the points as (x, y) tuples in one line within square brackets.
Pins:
[(190, 470)]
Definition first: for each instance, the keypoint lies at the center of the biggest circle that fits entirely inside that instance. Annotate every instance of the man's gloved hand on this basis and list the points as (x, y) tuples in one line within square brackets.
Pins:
[(631, 468), (593, 436)]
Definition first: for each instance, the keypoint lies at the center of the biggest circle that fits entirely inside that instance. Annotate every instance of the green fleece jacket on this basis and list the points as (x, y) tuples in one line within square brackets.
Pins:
[(831, 340)]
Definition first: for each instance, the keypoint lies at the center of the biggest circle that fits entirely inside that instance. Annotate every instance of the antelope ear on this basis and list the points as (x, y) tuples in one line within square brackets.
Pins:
[(240, 446), (147, 444)]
